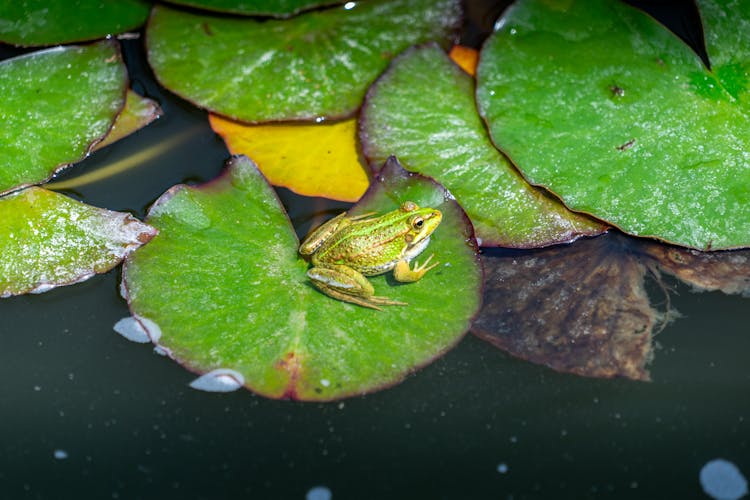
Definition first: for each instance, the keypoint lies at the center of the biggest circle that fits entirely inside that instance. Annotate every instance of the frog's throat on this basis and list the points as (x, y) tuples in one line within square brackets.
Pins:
[(384, 267)]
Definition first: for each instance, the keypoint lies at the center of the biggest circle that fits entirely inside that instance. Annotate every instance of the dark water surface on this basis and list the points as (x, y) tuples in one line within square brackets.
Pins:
[(87, 414)]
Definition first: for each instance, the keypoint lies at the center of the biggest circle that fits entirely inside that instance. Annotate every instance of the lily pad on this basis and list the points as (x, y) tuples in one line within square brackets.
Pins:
[(273, 8), (317, 64), (222, 287), (56, 104), (311, 159), (138, 112), (51, 22), (465, 57), (602, 105), (47, 239), (422, 110)]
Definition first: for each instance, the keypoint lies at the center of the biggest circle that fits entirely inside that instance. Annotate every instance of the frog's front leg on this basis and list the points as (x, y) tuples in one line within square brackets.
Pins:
[(349, 285), (403, 273)]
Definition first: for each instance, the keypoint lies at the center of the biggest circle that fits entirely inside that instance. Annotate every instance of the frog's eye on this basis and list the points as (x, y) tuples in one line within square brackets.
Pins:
[(409, 206), (417, 222)]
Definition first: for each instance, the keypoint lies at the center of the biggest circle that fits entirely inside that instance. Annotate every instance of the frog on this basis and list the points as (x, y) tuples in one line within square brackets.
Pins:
[(346, 249)]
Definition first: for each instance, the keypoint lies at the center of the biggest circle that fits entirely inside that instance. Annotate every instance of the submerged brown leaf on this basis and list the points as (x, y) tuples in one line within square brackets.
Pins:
[(727, 271), (578, 308), (582, 308)]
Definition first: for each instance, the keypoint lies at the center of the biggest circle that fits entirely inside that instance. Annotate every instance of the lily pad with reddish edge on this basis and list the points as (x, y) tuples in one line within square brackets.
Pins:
[(271, 8), (223, 287), (56, 104), (422, 110), (605, 107), (51, 22), (313, 66), (48, 240)]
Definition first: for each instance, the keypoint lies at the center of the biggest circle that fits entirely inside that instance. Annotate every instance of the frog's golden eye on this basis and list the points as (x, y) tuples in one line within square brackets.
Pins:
[(409, 206), (416, 222)]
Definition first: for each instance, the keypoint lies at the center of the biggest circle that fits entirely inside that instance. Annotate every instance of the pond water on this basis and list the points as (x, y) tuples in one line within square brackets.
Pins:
[(88, 414)]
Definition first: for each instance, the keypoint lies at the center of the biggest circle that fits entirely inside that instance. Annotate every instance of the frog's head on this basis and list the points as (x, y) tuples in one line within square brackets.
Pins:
[(421, 222)]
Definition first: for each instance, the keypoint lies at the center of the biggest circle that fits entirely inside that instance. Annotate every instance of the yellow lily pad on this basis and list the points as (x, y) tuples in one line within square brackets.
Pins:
[(316, 159), (466, 58)]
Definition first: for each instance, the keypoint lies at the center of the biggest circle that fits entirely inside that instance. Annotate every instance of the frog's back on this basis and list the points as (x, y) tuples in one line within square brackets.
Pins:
[(360, 247)]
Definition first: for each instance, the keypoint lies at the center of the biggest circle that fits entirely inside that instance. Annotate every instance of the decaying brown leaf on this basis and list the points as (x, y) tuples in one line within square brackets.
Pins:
[(582, 308), (578, 308), (727, 271)]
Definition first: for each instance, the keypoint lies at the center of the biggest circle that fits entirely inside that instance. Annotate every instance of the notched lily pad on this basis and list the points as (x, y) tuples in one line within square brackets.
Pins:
[(311, 159), (52, 22), (47, 240), (273, 8), (56, 103), (606, 108), (317, 64), (238, 297), (422, 110)]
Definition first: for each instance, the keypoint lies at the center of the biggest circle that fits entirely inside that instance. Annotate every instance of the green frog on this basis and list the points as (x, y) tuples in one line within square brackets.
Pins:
[(345, 249)]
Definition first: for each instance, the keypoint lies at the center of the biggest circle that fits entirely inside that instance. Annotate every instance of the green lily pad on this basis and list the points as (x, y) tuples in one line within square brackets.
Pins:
[(315, 65), (274, 8), (602, 105), (51, 22), (56, 103), (422, 110), (47, 240), (223, 288)]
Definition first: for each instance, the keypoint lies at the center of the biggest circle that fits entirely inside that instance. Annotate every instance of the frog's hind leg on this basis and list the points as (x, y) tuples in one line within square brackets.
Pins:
[(346, 284)]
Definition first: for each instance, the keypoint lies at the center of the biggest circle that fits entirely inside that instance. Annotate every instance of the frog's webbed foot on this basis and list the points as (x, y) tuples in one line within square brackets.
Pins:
[(346, 284), (403, 273)]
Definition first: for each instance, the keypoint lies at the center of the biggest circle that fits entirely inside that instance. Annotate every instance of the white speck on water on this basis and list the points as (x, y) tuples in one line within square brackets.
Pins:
[(319, 493), (350, 5), (502, 468), (60, 454), (132, 330), (325, 382), (152, 329), (162, 351), (37, 388), (219, 380), (722, 480)]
